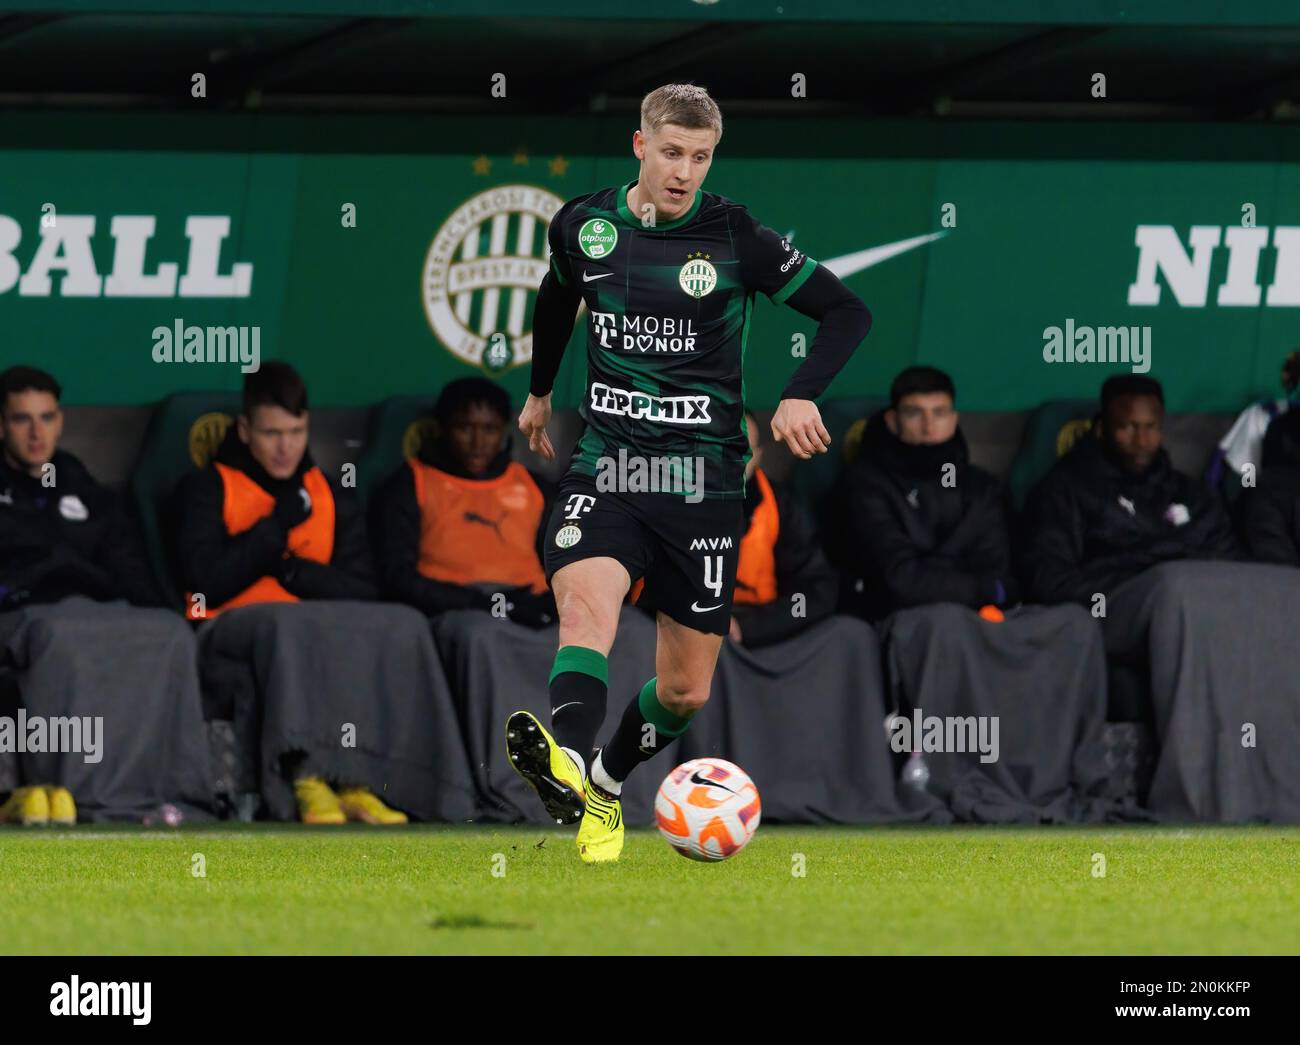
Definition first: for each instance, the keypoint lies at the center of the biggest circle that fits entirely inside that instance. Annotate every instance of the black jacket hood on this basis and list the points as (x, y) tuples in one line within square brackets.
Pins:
[(1089, 458), (884, 448)]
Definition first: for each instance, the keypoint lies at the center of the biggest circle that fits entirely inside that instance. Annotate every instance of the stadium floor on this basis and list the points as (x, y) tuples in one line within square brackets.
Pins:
[(432, 890)]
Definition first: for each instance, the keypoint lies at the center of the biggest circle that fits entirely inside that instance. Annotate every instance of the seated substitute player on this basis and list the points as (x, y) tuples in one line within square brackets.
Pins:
[(325, 684), (668, 273), (77, 621), (1114, 505), (461, 522), (1272, 510), (1115, 527), (934, 552), (923, 525)]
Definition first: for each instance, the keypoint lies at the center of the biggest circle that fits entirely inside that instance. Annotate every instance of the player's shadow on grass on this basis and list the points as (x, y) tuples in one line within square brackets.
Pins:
[(474, 921)]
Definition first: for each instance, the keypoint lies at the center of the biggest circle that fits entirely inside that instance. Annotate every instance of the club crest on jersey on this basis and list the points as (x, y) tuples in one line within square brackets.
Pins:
[(698, 276), (597, 238), (568, 536)]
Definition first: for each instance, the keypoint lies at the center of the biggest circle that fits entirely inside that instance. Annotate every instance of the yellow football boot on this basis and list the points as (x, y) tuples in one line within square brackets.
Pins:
[(317, 804), (600, 837), (63, 810), (29, 806), (363, 805), (544, 764)]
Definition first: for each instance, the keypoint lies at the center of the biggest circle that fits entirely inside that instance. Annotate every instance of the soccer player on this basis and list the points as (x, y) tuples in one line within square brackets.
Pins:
[(1114, 506), (81, 622), (460, 521), (1115, 527), (668, 273), (327, 686), (930, 538)]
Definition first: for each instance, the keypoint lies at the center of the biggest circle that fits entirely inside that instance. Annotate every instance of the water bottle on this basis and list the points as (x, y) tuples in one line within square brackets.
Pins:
[(916, 774)]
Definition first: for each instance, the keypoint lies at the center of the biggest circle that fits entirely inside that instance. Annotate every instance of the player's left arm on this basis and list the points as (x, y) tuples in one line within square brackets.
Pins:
[(777, 268)]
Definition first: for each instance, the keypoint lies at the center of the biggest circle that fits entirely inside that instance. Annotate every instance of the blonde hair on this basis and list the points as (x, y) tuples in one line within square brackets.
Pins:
[(681, 104)]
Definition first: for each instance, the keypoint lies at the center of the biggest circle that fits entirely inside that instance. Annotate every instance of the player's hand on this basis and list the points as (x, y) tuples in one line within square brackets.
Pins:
[(292, 507), (533, 419), (798, 424)]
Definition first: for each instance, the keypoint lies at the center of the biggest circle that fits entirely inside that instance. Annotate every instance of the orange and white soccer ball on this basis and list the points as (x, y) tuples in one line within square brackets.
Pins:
[(707, 809)]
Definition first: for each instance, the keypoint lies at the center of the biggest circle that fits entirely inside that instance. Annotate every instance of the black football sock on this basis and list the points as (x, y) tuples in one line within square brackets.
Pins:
[(579, 684), (647, 727)]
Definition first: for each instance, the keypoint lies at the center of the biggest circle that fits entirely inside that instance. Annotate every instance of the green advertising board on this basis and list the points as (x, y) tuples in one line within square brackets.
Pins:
[(386, 260)]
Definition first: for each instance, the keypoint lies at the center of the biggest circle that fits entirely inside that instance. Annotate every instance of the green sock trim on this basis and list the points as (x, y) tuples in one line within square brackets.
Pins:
[(657, 715), (582, 660)]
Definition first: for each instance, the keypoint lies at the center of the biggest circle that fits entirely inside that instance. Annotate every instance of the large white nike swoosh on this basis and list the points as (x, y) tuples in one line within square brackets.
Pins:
[(704, 609), (848, 264), (587, 279)]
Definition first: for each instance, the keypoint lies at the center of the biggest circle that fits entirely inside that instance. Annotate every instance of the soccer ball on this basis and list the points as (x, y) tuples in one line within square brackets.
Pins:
[(707, 809)]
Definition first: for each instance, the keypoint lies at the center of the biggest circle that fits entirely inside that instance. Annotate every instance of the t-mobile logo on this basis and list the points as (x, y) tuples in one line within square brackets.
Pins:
[(578, 505), (603, 322)]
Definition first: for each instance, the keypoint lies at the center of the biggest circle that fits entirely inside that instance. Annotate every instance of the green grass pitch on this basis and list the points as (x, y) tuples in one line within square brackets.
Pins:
[(433, 890)]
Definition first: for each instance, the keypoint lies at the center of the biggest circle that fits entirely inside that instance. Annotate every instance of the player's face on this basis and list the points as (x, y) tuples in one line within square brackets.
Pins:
[(1133, 428), (923, 419), (477, 433), (276, 439), (30, 425), (674, 161)]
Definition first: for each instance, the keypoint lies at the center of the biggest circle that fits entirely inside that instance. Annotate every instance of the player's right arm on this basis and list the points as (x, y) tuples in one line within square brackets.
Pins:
[(554, 310)]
